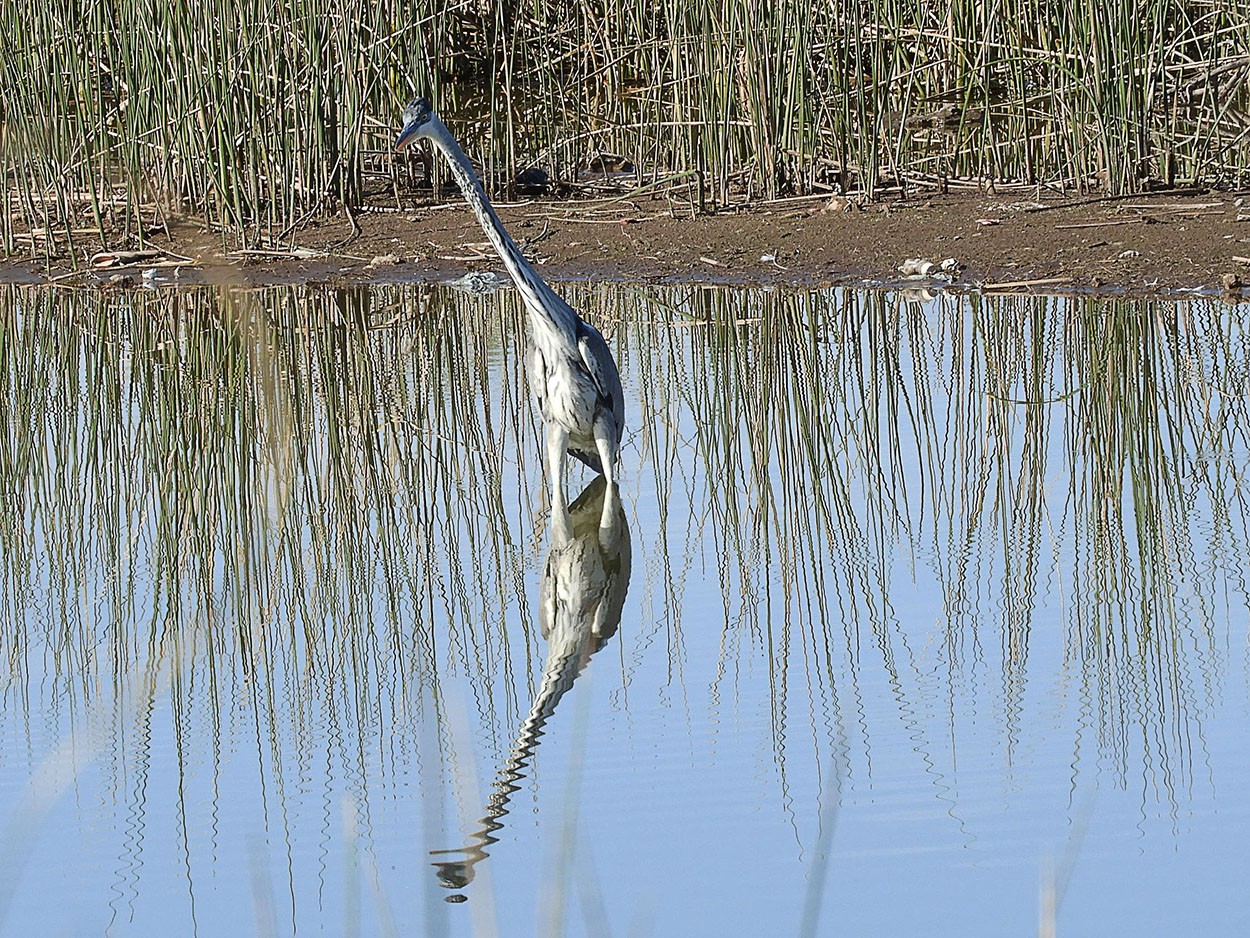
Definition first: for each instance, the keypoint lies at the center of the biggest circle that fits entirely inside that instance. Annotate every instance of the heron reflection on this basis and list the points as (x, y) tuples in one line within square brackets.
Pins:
[(582, 593)]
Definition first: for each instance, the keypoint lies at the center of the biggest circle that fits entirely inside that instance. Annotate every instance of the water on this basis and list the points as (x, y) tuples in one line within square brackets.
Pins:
[(922, 616)]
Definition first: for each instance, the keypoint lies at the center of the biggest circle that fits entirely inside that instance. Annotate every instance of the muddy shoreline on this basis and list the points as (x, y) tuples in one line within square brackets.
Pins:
[(1148, 244)]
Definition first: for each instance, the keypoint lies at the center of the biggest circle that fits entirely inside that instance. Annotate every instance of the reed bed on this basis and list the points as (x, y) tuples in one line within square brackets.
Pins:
[(254, 117)]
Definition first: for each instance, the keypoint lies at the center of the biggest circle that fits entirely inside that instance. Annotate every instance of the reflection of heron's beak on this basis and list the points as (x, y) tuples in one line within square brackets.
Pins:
[(406, 135)]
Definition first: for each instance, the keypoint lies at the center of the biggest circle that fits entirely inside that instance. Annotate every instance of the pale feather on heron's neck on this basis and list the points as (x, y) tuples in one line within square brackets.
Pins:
[(544, 306)]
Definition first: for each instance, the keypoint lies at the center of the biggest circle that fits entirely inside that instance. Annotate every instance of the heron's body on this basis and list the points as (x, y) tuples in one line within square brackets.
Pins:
[(571, 371), (569, 391)]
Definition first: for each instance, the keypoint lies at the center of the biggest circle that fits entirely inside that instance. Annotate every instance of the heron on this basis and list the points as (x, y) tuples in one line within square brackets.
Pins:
[(572, 374)]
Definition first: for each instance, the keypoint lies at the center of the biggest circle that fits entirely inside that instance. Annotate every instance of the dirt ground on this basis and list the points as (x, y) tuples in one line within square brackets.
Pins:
[(1144, 244)]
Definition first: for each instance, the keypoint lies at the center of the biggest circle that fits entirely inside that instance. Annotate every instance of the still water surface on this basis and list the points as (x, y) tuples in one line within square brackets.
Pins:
[(920, 617)]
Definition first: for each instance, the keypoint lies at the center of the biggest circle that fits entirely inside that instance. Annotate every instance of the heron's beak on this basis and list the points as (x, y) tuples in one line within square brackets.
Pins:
[(407, 134)]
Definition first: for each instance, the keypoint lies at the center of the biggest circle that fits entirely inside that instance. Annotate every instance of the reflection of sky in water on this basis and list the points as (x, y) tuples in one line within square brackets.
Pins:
[(933, 598)]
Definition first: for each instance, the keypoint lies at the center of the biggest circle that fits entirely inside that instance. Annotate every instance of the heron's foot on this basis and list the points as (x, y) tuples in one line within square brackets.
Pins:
[(557, 463), (608, 453)]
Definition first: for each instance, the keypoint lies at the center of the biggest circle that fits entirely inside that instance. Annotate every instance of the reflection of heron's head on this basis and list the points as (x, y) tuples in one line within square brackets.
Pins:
[(455, 874), (416, 116)]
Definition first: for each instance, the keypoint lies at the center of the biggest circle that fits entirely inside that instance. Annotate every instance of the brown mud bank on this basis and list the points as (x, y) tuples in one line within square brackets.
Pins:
[(1155, 243)]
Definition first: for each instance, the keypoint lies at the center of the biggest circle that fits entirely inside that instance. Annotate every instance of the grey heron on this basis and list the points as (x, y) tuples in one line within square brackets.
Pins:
[(571, 370)]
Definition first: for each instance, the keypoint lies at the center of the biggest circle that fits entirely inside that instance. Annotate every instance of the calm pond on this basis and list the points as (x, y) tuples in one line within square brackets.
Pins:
[(921, 617)]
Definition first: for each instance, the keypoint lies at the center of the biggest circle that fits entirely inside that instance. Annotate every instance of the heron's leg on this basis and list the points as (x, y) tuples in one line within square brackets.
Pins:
[(557, 463), (607, 457)]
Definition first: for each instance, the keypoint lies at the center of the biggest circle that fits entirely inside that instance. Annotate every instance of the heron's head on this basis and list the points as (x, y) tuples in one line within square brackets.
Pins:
[(416, 116)]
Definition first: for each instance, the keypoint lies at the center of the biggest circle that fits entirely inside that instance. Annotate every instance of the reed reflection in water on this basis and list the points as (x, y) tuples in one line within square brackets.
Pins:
[(272, 562)]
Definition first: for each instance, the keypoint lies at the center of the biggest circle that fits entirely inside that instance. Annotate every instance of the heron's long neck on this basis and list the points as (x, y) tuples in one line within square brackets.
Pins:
[(540, 300)]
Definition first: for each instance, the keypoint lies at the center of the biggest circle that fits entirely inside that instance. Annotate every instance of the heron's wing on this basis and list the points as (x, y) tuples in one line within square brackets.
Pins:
[(601, 366)]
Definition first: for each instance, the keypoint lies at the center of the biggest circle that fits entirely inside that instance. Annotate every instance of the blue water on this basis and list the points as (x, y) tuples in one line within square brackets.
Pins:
[(934, 618)]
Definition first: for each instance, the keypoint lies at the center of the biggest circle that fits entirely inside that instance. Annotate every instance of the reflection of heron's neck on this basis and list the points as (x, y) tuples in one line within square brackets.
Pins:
[(544, 306), (565, 660), (567, 654)]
